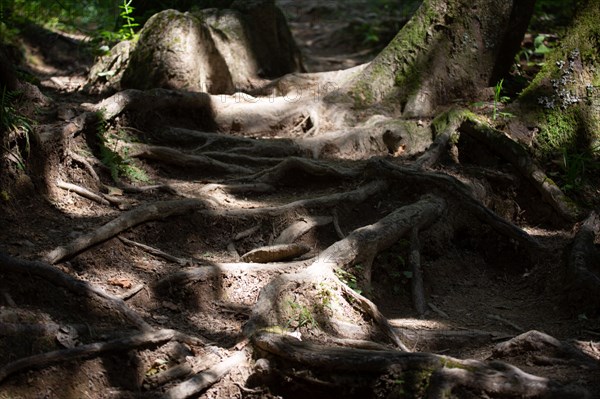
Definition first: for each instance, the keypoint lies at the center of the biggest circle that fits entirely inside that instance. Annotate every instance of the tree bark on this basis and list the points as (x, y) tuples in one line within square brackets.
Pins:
[(448, 50)]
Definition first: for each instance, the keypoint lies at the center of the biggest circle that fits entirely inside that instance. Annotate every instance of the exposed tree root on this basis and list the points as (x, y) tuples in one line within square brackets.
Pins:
[(444, 374), (141, 214), (55, 276), (535, 341), (355, 196), (206, 378), (363, 244), (301, 227), (273, 148), (439, 145), (204, 273), (91, 350), (513, 152), (84, 192), (291, 167), (171, 156), (456, 189)]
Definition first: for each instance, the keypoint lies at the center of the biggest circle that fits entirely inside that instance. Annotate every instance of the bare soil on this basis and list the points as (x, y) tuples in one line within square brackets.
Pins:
[(482, 287)]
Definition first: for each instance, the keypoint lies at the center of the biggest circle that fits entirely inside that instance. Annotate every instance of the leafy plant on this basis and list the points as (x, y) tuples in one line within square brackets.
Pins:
[(126, 31), (575, 166), (498, 99), (301, 316), (349, 279)]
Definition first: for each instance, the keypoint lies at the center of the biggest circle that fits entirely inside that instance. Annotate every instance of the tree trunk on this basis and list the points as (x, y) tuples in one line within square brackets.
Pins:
[(448, 50)]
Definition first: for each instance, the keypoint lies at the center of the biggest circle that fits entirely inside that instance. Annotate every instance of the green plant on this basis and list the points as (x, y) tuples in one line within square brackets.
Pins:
[(348, 278), (126, 31), (498, 99), (300, 316)]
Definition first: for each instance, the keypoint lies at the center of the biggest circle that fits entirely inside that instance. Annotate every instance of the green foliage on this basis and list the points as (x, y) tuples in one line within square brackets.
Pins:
[(126, 31), (117, 159), (348, 278), (299, 316), (498, 98)]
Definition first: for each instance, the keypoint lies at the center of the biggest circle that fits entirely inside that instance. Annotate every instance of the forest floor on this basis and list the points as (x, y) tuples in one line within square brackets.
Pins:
[(482, 288)]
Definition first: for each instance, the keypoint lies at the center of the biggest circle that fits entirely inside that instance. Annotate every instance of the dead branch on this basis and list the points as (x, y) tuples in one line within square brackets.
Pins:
[(58, 277), (203, 380), (141, 214), (155, 251), (84, 192), (414, 261), (90, 350), (514, 153), (492, 378)]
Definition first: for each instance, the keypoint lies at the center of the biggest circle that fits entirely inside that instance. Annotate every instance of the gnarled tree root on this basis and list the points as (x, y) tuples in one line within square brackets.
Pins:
[(442, 374), (514, 153), (90, 350)]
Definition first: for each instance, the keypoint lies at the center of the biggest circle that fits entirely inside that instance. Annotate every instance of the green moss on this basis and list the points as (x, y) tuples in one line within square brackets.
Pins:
[(558, 130)]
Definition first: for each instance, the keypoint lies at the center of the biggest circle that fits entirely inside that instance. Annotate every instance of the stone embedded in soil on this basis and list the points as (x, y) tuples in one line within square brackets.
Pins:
[(275, 253)]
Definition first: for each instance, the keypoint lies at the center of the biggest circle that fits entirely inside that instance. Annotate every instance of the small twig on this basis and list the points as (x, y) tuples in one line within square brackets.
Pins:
[(507, 322), (155, 251), (84, 192), (438, 310), (80, 159), (130, 293)]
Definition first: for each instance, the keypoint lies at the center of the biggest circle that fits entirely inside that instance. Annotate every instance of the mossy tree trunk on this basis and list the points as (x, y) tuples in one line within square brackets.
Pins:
[(448, 50), (564, 99)]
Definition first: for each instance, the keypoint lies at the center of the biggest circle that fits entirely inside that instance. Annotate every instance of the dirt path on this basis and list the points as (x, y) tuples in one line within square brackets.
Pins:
[(481, 287)]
